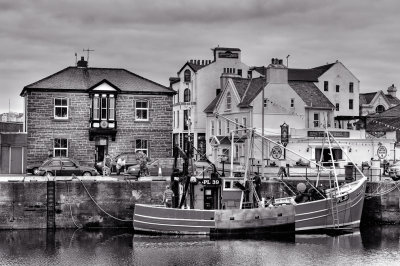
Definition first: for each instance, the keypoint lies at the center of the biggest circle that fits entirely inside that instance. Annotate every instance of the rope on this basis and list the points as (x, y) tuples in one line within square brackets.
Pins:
[(116, 218), (70, 207)]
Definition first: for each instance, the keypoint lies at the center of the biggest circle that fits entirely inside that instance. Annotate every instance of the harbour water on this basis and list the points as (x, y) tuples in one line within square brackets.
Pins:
[(379, 245)]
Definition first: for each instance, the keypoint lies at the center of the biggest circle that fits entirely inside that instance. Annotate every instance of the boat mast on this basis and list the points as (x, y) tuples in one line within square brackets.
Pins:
[(332, 159), (249, 148)]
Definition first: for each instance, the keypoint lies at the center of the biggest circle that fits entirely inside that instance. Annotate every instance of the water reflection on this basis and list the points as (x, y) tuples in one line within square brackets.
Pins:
[(370, 245)]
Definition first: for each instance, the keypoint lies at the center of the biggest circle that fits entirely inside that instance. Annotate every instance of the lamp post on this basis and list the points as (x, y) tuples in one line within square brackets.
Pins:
[(223, 160)]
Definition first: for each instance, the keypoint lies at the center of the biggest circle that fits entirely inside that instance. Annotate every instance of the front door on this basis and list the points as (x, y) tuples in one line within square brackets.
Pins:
[(210, 198)]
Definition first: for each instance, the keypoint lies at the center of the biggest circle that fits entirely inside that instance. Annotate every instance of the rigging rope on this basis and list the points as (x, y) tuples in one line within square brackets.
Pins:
[(116, 218), (70, 207)]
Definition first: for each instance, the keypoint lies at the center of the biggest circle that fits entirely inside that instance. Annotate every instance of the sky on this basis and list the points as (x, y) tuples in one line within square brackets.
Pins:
[(154, 38)]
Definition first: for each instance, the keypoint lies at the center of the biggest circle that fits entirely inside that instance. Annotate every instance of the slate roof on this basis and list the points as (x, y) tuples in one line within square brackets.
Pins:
[(249, 89), (366, 98), (310, 94), (385, 121), (301, 74), (74, 78), (210, 108), (392, 100)]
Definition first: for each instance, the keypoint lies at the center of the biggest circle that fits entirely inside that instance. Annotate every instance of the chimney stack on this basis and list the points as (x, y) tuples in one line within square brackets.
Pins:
[(82, 63), (392, 90)]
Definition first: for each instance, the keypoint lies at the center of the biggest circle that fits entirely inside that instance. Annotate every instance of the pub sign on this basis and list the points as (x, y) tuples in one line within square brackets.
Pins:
[(285, 134)]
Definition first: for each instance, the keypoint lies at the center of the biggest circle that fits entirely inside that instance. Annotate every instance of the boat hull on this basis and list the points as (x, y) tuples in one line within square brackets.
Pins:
[(318, 215), (161, 220)]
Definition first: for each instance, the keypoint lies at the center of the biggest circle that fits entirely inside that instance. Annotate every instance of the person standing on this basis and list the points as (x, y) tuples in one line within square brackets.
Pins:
[(143, 159), (107, 165), (257, 184), (168, 195)]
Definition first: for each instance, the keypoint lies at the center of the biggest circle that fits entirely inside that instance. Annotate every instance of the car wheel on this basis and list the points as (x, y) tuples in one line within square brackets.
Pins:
[(48, 174), (87, 174), (35, 171)]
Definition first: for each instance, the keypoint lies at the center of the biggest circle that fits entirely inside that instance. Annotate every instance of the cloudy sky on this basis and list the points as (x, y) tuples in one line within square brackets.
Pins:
[(153, 38)]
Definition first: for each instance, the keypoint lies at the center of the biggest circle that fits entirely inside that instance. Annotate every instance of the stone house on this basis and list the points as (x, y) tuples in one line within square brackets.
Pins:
[(85, 112)]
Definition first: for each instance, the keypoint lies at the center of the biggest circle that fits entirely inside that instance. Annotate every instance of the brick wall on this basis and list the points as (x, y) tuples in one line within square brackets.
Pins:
[(43, 128)]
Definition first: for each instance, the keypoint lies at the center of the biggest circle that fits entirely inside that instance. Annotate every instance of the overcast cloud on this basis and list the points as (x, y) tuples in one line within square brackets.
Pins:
[(154, 38)]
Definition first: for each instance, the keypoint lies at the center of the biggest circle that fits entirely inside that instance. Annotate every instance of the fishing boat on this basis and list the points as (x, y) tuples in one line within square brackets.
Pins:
[(334, 210), (211, 210)]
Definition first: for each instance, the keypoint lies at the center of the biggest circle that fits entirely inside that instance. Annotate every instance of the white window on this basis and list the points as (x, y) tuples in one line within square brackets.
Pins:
[(244, 123), (236, 123), (60, 108), (96, 107), (228, 101), (111, 108), (177, 119), (104, 107), (142, 110), (219, 128), (60, 147), (212, 129), (142, 145), (237, 153), (228, 130)]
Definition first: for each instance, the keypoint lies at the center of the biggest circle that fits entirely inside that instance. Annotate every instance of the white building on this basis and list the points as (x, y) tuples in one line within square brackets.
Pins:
[(293, 97), (197, 84)]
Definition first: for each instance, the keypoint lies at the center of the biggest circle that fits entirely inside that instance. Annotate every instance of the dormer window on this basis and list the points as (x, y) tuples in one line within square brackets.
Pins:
[(187, 76), (380, 109), (103, 107), (186, 95), (228, 101)]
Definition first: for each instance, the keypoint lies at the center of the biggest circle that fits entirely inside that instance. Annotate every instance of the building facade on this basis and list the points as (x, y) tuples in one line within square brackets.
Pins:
[(84, 113), (277, 98), (197, 83)]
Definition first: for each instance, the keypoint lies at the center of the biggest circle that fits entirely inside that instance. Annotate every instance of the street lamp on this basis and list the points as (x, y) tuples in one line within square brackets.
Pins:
[(223, 160)]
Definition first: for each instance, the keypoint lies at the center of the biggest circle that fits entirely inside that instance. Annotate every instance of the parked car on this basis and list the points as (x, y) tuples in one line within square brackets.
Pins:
[(394, 171), (130, 159), (153, 169), (63, 166), (34, 168)]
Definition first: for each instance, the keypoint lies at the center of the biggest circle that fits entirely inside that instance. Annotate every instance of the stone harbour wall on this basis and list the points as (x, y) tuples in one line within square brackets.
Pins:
[(24, 205)]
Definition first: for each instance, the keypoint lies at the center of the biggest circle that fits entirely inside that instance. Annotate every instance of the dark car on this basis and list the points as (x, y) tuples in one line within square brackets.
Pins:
[(130, 159), (34, 168), (63, 166)]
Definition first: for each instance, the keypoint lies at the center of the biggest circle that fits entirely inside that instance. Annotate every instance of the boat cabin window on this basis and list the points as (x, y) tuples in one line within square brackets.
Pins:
[(230, 185)]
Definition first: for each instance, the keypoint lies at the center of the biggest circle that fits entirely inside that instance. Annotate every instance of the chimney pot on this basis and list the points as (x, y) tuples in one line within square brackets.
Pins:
[(272, 61), (202, 62)]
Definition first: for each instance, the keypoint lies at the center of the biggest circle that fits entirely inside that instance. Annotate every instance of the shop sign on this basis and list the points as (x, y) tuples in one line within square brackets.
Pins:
[(382, 152), (228, 54), (336, 134), (276, 152)]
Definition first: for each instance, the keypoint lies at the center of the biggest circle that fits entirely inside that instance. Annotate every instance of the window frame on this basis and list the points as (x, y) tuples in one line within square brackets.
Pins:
[(383, 109), (212, 128), (228, 101), (326, 85), (62, 107), (351, 87), (228, 130), (60, 149), (291, 102), (351, 104), (144, 150), (337, 88), (187, 76), (337, 107), (186, 95), (316, 121), (142, 109), (219, 128)]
